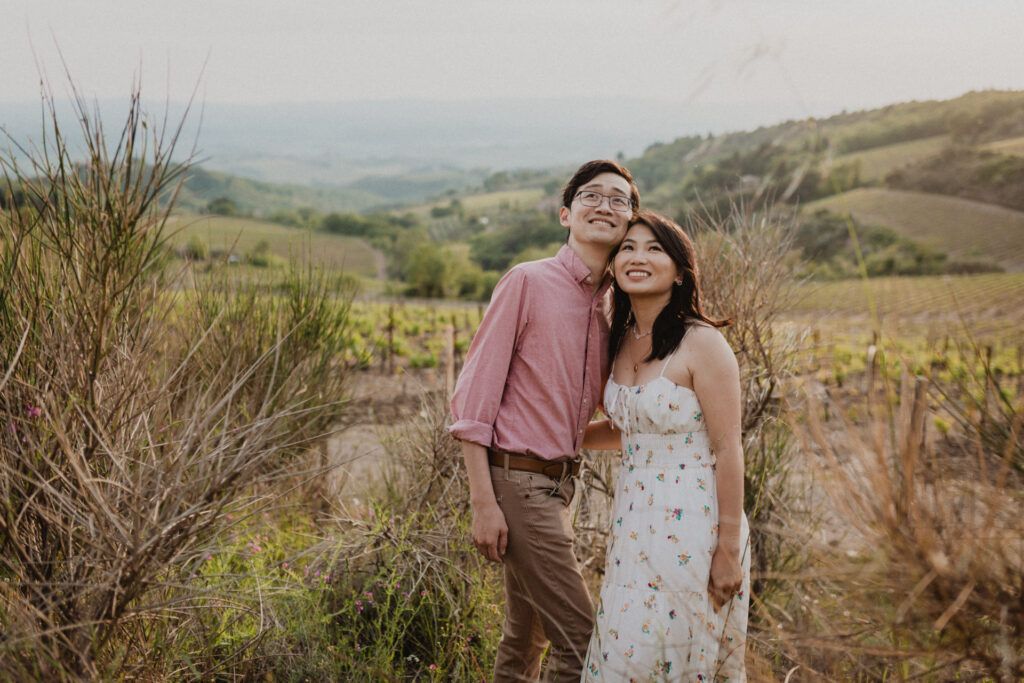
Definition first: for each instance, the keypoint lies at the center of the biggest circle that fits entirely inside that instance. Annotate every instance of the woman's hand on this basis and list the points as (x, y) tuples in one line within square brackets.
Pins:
[(726, 576)]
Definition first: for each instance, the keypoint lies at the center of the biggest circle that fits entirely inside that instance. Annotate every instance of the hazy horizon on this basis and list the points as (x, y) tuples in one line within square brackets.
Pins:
[(321, 85)]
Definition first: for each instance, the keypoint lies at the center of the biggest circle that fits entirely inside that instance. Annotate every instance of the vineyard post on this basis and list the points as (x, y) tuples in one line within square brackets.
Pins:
[(449, 360), (1020, 370), (871, 370), (389, 352)]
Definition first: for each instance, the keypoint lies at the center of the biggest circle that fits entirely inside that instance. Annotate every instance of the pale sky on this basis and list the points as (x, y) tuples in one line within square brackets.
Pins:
[(810, 54)]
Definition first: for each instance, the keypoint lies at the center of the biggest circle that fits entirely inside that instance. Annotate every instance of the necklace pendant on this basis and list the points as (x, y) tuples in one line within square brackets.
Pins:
[(636, 368)]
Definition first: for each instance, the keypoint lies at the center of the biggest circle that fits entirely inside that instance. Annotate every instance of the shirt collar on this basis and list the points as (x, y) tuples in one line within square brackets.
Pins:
[(576, 267)]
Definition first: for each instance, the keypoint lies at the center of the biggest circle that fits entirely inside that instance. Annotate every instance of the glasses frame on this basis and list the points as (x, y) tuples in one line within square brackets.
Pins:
[(609, 197)]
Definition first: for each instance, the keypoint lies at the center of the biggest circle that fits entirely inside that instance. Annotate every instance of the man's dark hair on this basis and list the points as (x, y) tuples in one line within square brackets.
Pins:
[(590, 170)]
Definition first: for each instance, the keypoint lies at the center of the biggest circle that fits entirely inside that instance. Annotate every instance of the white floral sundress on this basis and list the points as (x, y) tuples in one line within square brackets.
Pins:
[(655, 621)]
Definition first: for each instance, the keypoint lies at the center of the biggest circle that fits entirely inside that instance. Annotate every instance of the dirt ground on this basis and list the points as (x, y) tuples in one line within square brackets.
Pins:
[(379, 403)]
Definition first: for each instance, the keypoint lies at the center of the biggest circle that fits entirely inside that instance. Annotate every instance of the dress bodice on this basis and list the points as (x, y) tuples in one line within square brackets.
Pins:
[(659, 406)]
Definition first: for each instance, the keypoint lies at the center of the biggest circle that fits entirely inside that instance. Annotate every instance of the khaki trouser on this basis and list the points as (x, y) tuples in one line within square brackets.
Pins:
[(546, 598)]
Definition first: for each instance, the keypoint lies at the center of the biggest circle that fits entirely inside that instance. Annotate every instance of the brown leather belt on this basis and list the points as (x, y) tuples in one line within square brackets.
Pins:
[(556, 469)]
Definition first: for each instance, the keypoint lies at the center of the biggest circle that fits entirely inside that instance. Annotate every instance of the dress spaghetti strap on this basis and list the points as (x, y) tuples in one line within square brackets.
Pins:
[(669, 360)]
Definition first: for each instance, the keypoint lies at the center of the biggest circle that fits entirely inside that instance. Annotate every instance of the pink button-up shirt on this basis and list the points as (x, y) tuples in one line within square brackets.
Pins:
[(535, 370)]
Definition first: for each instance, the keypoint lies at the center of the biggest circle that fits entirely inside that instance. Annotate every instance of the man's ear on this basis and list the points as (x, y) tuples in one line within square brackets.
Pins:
[(563, 216)]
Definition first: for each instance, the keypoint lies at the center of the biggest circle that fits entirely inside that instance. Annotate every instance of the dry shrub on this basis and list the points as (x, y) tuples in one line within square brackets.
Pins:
[(749, 275), (136, 412), (922, 573)]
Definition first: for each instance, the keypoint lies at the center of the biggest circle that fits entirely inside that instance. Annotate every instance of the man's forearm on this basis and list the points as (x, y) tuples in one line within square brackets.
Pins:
[(481, 490)]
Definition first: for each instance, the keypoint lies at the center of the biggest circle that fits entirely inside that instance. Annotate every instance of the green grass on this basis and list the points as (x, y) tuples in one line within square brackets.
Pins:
[(962, 228), (876, 163), (1014, 146), (336, 252)]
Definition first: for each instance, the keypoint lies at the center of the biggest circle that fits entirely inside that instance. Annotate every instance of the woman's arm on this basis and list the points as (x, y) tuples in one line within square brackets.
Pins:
[(602, 436), (716, 380)]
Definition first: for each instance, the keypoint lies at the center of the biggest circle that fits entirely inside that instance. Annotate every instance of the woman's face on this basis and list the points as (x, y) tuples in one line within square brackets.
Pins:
[(642, 267)]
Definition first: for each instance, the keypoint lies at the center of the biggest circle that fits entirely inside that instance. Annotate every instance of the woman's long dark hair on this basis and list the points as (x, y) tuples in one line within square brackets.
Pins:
[(683, 308)]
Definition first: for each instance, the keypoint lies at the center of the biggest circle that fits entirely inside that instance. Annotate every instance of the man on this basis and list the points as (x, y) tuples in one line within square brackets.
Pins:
[(532, 380)]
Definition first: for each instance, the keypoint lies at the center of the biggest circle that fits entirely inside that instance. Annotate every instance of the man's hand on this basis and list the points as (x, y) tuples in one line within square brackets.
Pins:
[(490, 532)]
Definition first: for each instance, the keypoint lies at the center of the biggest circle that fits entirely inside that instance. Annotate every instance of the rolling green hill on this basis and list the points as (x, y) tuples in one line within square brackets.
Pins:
[(263, 199), (965, 229), (805, 160)]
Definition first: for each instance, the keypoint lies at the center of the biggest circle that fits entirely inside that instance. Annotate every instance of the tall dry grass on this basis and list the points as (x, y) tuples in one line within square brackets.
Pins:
[(918, 571), (138, 414)]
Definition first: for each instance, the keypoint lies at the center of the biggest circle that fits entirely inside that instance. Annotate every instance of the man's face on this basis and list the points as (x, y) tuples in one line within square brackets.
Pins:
[(601, 225)]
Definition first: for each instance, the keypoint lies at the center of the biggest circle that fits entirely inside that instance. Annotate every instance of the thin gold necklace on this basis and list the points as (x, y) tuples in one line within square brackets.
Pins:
[(640, 335), (632, 358)]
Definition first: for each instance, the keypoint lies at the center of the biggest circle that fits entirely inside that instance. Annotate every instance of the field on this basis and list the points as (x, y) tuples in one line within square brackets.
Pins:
[(1013, 146), (490, 201), (996, 298), (241, 235), (876, 163), (962, 228)]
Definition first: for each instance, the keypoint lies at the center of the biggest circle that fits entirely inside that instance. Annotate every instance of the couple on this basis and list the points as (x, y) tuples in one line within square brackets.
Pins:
[(673, 604)]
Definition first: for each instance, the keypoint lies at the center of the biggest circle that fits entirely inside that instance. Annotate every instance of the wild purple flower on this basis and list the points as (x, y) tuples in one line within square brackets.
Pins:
[(33, 411)]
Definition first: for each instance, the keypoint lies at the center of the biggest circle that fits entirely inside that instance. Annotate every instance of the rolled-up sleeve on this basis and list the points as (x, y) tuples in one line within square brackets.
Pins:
[(481, 385)]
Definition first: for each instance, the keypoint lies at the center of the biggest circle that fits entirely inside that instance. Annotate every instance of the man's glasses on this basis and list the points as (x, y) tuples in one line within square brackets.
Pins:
[(616, 202)]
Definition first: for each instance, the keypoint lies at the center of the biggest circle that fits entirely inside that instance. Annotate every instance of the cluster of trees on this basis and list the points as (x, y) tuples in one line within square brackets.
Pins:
[(972, 174), (432, 267)]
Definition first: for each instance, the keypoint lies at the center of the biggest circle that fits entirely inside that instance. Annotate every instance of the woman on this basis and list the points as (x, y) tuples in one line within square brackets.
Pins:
[(675, 594)]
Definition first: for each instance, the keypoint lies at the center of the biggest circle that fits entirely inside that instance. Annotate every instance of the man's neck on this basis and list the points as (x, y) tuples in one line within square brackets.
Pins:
[(594, 257)]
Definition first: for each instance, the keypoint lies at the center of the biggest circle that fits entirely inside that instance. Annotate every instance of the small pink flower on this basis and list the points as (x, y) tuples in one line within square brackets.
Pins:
[(423, 594), (284, 565), (359, 605), (432, 667), (369, 595), (33, 411)]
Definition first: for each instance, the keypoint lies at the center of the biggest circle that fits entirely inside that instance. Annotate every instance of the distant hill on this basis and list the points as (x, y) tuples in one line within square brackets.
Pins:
[(966, 230), (907, 167), (263, 199)]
